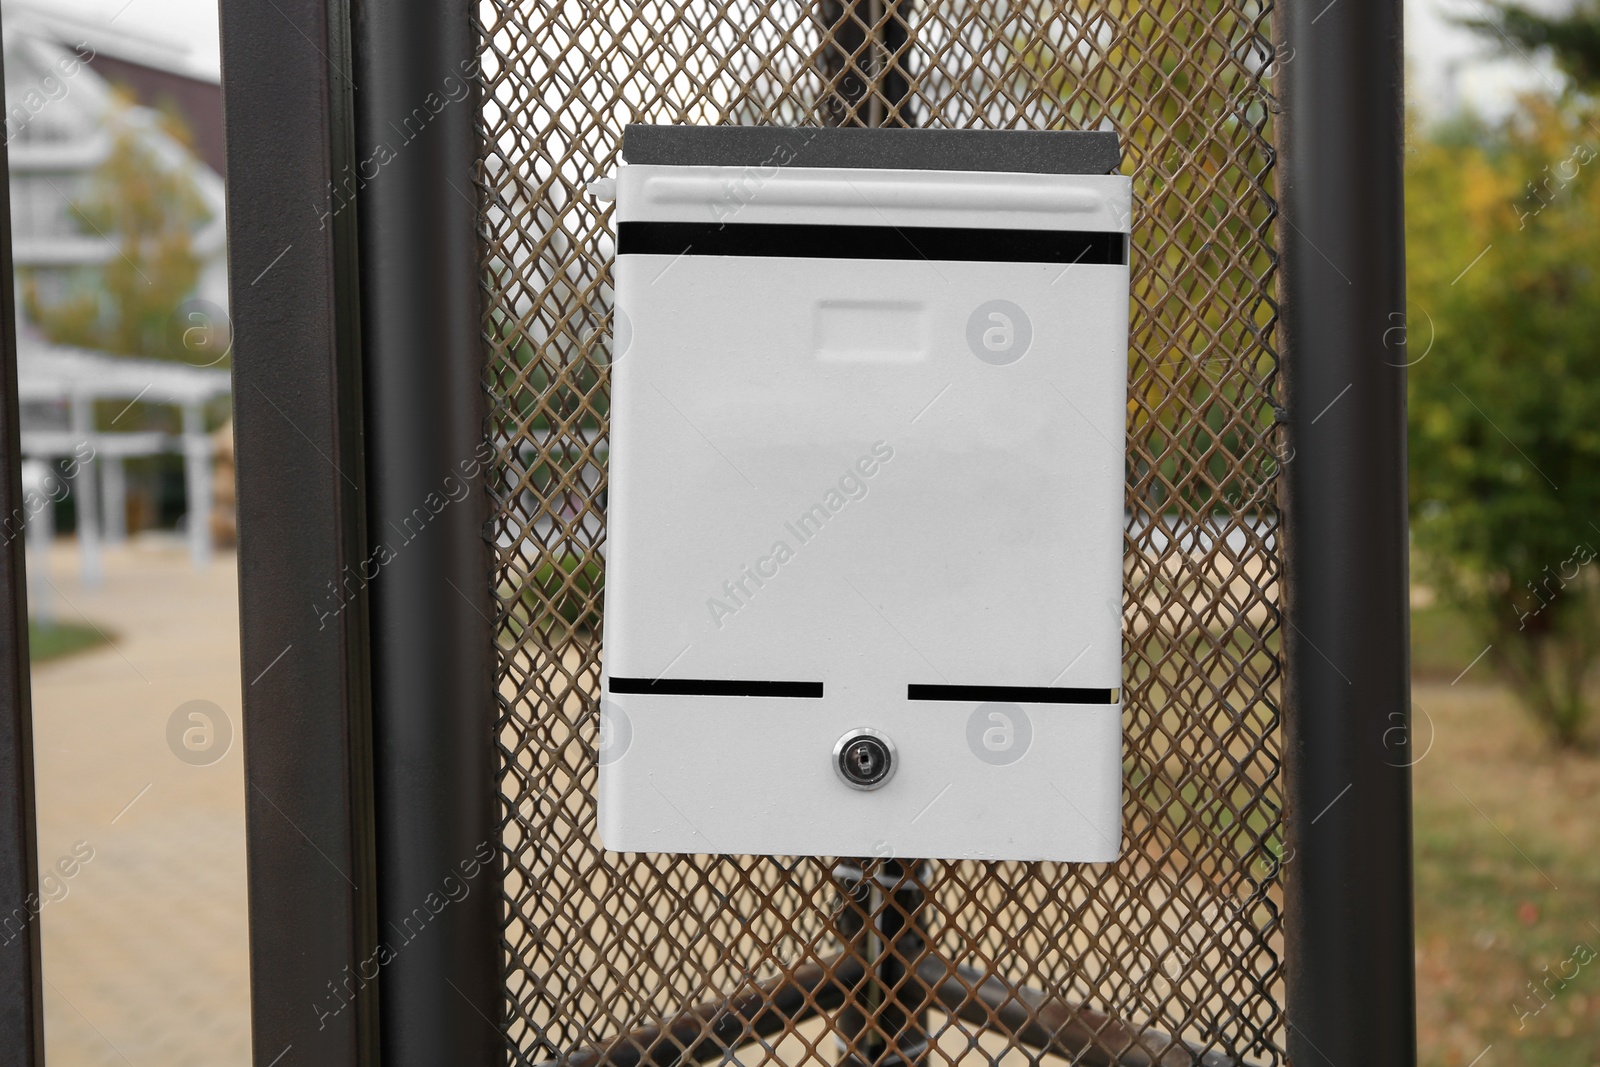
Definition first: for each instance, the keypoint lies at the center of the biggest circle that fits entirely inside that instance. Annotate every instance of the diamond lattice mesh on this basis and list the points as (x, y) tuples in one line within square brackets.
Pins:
[(623, 955)]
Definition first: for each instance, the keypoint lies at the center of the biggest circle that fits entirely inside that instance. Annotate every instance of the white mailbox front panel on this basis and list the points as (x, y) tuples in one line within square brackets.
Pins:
[(867, 468)]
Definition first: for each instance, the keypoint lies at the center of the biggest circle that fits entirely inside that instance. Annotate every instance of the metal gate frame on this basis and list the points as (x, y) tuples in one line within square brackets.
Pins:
[(21, 973), (1347, 904), (357, 393), (358, 380)]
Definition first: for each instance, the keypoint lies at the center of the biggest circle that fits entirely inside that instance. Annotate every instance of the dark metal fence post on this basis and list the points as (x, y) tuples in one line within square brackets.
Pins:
[(432, 639), (1347, 909), (364, 576), (303, 642), (21, 988), (884, 1020)]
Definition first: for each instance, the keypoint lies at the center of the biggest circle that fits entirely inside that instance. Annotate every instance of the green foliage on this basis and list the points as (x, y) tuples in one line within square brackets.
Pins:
[(60, 639), (149, 212), (1505, 395)]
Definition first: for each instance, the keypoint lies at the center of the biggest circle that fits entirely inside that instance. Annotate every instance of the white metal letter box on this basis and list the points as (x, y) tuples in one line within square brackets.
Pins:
[(864, 564)]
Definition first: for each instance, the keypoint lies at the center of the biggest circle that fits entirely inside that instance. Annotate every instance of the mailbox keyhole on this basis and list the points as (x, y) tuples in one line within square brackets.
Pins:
[(865, 759)]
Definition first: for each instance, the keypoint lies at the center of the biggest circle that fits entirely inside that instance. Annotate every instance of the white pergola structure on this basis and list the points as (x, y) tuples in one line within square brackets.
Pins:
[(71, 380)]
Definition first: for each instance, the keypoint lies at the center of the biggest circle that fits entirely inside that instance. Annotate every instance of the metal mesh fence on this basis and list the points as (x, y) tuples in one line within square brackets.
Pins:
[(1171, 955)]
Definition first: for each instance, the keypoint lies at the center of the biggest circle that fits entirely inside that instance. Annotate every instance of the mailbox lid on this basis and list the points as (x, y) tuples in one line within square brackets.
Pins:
[(1017, 151), (713, 182)]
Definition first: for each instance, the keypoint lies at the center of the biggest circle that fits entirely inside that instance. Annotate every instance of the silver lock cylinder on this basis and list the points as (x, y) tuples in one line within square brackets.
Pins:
[(864, 759)]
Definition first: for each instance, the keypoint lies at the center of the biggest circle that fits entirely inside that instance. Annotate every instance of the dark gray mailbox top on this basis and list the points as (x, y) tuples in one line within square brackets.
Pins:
[(1023, 151)]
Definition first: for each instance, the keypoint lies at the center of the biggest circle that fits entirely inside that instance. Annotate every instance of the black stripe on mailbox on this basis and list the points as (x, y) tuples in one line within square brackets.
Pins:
[(715, 687), (1020, 694), (807, 241)]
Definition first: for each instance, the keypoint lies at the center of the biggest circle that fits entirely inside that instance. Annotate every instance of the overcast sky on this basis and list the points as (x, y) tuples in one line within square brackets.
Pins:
[(1446, 64)]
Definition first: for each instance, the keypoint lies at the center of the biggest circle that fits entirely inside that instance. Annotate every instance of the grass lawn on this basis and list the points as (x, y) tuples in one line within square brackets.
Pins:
[(60, 639), (1507, 871)]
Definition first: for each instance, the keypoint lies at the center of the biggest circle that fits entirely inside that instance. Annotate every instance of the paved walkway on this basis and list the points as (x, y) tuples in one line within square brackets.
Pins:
[(146, 953)]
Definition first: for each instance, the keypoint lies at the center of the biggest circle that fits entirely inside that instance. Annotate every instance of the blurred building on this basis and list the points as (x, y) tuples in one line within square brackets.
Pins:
[(60, 77), (74, 91)]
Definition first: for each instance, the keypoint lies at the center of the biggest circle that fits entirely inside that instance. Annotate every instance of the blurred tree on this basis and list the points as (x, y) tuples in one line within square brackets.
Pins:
[(150, 211), (1573, 38), (1504, 310)]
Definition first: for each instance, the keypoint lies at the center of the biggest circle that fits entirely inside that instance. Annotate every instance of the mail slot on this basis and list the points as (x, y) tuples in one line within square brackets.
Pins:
[(864, 564)]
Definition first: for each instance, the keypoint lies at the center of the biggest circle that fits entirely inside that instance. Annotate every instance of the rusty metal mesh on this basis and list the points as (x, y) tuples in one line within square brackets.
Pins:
[(1182, 936)]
